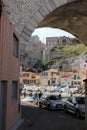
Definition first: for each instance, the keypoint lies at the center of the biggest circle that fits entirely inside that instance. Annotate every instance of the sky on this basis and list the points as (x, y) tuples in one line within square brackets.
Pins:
[(42, 33)]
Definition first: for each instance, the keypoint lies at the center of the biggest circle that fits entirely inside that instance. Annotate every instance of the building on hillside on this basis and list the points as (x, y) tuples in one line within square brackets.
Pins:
[(9, 75), (51, 42), (30, 78), (63, 40), (49, 77)]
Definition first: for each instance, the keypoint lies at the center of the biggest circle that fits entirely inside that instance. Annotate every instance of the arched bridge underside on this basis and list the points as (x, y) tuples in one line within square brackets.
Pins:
[(69, 15)]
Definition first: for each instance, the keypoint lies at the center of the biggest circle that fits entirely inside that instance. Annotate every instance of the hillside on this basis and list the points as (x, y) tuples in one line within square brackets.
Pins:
[(72, 50), (79, 48)]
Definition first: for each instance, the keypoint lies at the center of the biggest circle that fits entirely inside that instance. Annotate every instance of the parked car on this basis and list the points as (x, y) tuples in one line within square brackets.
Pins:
[(59, 88), (23, 90), (51, 101), (72, 89), (75, 105), (64, 89), (28, 99), (80, 89)]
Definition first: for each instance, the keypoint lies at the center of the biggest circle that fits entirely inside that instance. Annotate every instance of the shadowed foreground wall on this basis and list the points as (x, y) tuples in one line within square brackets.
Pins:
[(9, 72)]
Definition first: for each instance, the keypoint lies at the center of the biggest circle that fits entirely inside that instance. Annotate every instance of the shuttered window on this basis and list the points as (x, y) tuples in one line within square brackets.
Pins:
[(15, 46), (14, 90)]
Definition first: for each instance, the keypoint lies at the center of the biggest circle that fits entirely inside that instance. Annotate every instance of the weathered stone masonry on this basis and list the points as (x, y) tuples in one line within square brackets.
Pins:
[(26, 14)]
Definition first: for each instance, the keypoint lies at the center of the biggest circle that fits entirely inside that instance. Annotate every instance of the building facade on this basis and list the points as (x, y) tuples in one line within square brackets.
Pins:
[(51, 42), (49, 77), (30, 78), (9, 74)]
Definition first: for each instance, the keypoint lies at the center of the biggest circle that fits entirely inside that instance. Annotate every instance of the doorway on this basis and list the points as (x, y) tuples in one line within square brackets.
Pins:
[(3, 105)]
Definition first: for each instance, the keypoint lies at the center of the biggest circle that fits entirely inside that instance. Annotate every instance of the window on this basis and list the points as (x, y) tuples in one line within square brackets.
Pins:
[(54, 97), (74, 100), (80, 100), (74, 76), (79, 83), (78, 77), (70, 99), (14, 90), (25, 75), (33, 76), (15, 46), (44, 74)]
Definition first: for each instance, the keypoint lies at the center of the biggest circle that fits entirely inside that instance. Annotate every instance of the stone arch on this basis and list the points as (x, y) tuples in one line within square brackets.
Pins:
[(71, 17), (39, 15), (26, 15)]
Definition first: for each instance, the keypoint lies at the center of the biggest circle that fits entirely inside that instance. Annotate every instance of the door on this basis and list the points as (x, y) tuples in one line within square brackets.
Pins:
[(3, 105), (71, 105)]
